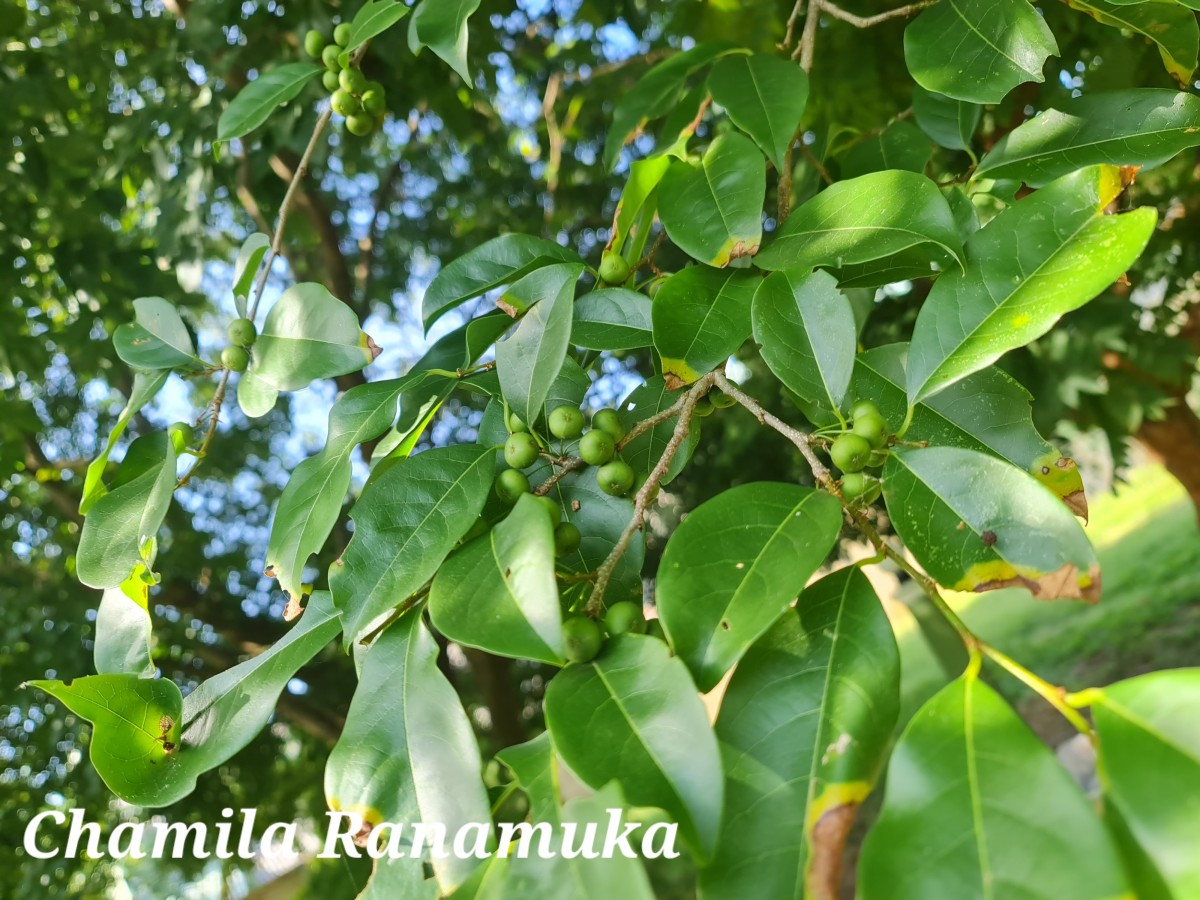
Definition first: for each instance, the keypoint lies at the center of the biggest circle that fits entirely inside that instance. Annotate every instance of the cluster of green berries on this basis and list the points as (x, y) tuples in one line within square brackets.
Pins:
[(863, 446), (242, 335), (583, 637), (362, 102)]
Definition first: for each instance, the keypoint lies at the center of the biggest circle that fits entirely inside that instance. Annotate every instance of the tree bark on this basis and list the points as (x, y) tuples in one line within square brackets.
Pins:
[(1175, 441)]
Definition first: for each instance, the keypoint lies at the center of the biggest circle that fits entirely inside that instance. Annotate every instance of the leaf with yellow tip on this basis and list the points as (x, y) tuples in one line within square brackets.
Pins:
[(700, 317)]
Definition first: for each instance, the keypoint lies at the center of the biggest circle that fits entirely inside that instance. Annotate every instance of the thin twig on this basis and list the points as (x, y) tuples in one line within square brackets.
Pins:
[(837, 12), (793, 19), (1055, 696), (808, 40), (816, 163)]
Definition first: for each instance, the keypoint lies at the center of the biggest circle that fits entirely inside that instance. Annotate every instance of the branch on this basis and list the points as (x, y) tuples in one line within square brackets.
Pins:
[(837, 12), (555, 137), (367, 246), (808, 40)]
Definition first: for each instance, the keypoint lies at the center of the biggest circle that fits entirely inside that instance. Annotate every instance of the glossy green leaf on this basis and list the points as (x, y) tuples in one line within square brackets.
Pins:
[(978, 50), (637, 197), (701, 317), (1142, 127), (245, 267), (735, 564), (804, 727), (976, 523), (1042, 257), (255, 396), (633, 716), (949, 123), (1169, 26), (977, 808), (404, 526), (612, 319), (256, 101), (806, 331), (441, 25), (121, 523), (156, 339), (499, 592), (146, 386), (882, 227), (645, 450), (123, 632), (529, 359), (901, 145), (988, 411), (1150, 764), (372, 19), (399, 879), (407, 752), (713, 210), (765, 96)]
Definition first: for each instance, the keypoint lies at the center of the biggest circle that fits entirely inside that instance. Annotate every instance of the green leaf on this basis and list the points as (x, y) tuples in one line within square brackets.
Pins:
[(633, 716), (612, 319), (656, 94), (872, 230), (307, 335), (399, 879), (441, 25), (146, 386), (988, 411), (976, 523), (372, 19), (900, 146), (256, 397), (1142, 127), (502, 260), (312, 500), (949, 123), (121, 523), (1042, 257), (1168, 25), (804, 727), (637, 196), (123, 629), (1150, 760), (532, 356), (713, 211), (701, 317), (978, 50), (764, 96), (156, 339), (407, 752), (977, 808), (256, 101), (735, 564), (245, 267), (404, 526), (645, 450), (499, 593), (807, 333)]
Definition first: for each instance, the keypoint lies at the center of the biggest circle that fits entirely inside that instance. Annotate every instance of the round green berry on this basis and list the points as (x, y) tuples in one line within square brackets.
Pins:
[(330, 56), (566, 539), (373, 101), (360, 124), (353, 80), (850, 452), (344, 103), (515, 425), (597, 447), (520, 450), (314, 43), (863, 408), (877, 459), (703, 407), (330, 80), (873, 428), (609, 420), (341, 34), (242, 332), (721, 400), (566, 422), (510, 485), (625, 617), (235, 358), (613, 268), (615, 478), (582, 639), (552, 508), (854, 485)]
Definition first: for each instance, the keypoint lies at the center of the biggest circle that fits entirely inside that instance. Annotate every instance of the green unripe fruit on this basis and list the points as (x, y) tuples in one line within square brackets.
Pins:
[(343, 103), (520, 450), (330, 80), (353, 80), (721, 400), (873, 428), (854, 485), (182, 434), (877, 459), (615, 478), (341, 34), (510, 485), (314, 43), (609, 421), (552, 508), (566, 539), (597, 447), (515, 425), (566, 422), (360, 124), (863, 408), (850, 452), (625, 617), (235, 358), (874, 489), (374, 102), (330, 55), (242, 332), (703, 407), (581, 639), (613, 268)]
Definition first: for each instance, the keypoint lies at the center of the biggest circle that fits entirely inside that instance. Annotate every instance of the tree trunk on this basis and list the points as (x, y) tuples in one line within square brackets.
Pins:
[(1175, 441)]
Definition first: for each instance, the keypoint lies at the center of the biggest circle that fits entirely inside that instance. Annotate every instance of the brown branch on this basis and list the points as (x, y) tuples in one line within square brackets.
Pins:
[(808, 39), (837, 12), (555, 137)]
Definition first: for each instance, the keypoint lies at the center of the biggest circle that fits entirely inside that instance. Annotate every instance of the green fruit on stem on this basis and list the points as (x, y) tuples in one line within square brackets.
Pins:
[(353, 80), (703, 407), (721, 400), (855, 484), (241, 332), (566, 539), (330, 55), (515, 425), (520, 450), (552, 508), (330, 80), (373, 101), (615, 478), (566, 422), (609, 421), (314, 43), (863, 408), (877, 459), (235, 358), (360, 124), (597, 447), (850, 452), (341, 34), (873, 428), (510, 485), (613, 268), (344, 103), (625, 617), (582, 639)]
